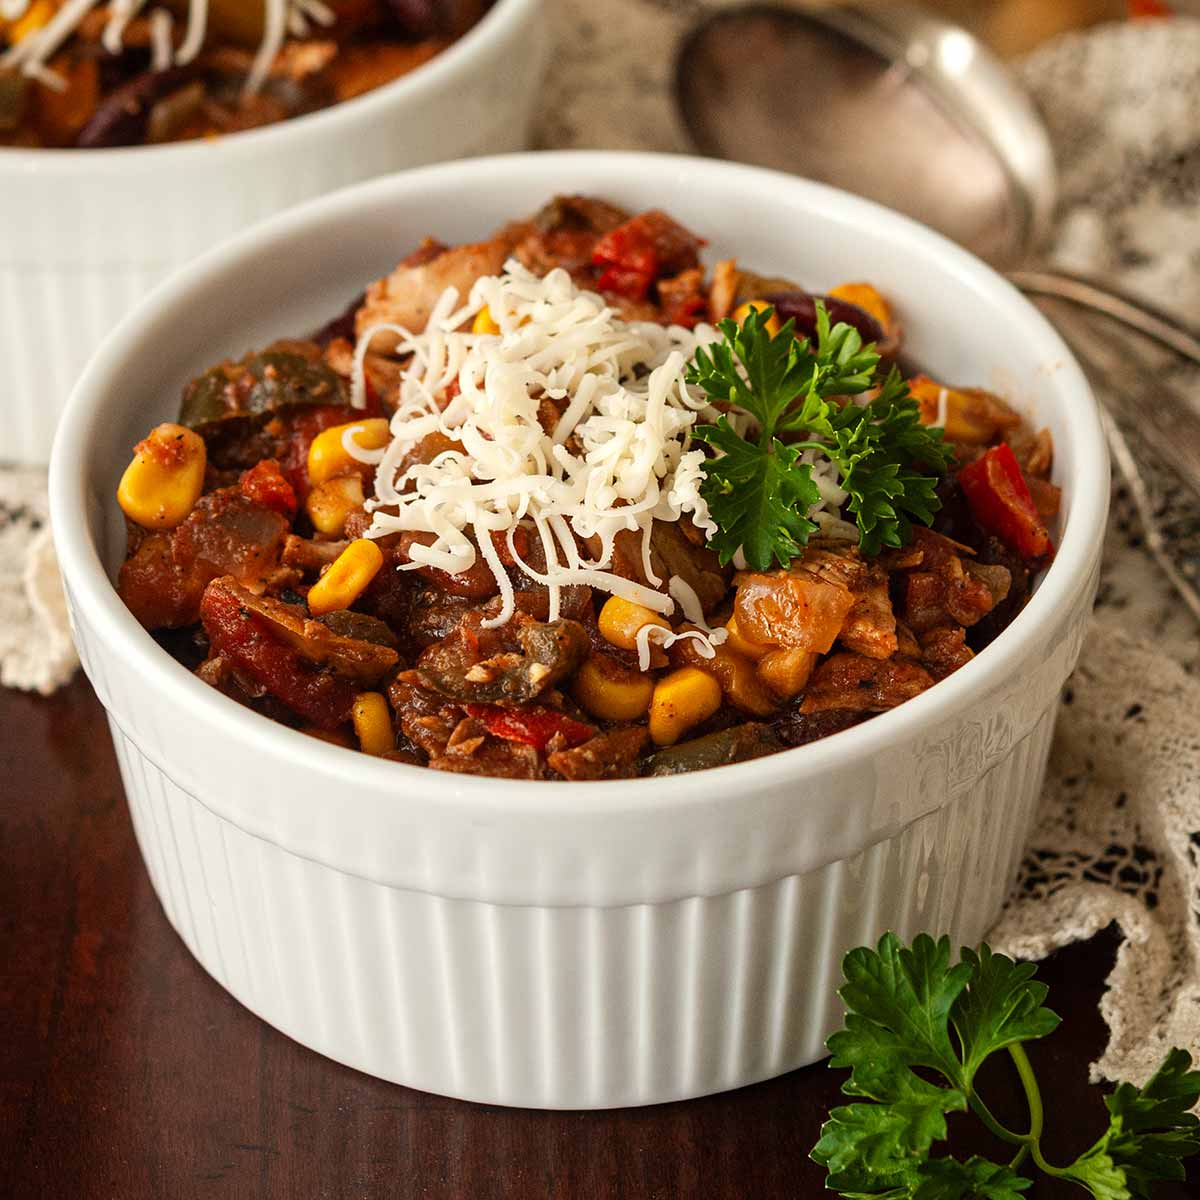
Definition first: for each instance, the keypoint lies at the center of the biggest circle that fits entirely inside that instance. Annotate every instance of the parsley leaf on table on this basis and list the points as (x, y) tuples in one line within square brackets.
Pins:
[(910, 1009), (1150, 1132), (758, 492)]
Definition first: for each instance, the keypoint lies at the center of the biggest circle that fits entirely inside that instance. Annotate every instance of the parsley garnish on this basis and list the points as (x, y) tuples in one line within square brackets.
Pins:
[(911, 1011), (758, 492)]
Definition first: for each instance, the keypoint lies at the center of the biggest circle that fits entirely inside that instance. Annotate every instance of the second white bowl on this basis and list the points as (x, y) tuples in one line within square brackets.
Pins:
[(85, 233)]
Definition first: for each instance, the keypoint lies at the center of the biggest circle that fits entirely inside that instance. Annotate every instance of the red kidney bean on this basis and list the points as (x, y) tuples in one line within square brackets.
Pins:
[(802, 308), (122, 117), (417, 18)]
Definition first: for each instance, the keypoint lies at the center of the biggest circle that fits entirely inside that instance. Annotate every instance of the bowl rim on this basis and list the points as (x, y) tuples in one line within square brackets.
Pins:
[(459, 58), (360, 775)]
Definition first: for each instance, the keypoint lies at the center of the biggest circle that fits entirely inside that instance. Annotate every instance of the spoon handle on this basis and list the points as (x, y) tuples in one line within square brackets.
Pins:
[(1153, 433), (1162, 327)]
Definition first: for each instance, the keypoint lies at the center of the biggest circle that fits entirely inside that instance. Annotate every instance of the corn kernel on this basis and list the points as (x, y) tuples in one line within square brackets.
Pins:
[(744, 310), (330, 503), (36, 18), (165, 479), (864, 296), (346, 579), (786, 671), (373, 723), (733, 671), (611, 692), (328, 456), (484, 322), (742, 644), (968, 415), (620, 621), (681, 700)]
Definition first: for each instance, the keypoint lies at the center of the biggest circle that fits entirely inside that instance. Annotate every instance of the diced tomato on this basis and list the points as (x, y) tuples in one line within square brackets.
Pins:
[(632, 271), (1149, 8), (264, 484), (300, 426), (1001, 502), (632, 256), (532, 725), (245, 640)]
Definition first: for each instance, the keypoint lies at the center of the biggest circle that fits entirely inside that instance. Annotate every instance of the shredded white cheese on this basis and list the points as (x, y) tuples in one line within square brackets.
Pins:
[(162, 47), (614, 453), (706, 640), (33, 53), (943, 404)]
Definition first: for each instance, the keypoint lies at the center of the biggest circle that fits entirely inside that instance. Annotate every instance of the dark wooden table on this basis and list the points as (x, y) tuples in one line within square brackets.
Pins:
[(125, 1071)]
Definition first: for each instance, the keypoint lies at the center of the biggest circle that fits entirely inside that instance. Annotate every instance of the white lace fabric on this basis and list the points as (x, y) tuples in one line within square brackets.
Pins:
[(1118, 834), (36, 653)]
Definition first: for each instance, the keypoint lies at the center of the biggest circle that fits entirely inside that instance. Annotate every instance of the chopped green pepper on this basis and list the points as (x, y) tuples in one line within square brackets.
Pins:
[(285, 375)]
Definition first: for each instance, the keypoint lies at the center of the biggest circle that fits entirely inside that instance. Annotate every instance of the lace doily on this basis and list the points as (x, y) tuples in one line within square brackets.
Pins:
[(36, 653), (1118, 834), (1118, 837)]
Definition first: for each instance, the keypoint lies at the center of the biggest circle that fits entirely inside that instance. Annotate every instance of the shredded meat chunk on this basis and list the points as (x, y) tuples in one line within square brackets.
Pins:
[(944, 650), (945, 590), (855, 683), (870, 626), (501, 760), (797, 728), (609, 755), (519, 662), (406, 297), (425, 718)]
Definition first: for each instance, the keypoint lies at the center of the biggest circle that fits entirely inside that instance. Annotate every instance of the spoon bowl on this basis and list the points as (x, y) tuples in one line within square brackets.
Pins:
[(889, 102)]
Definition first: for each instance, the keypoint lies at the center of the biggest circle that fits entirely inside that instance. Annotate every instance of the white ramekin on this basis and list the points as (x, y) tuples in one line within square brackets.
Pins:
[(558, 944), (85, 233)]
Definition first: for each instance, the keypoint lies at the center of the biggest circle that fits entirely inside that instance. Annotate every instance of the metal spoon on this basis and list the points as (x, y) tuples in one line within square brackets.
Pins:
[(891, 103), (894, 103)]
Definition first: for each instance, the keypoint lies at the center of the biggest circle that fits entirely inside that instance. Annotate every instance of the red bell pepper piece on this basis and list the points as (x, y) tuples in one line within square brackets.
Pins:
[(634, 255), (1001, 502), (533, 725)]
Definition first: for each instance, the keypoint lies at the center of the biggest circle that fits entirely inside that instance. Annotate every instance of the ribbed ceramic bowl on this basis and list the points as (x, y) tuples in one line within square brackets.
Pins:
[(570, 944), (85, 233)]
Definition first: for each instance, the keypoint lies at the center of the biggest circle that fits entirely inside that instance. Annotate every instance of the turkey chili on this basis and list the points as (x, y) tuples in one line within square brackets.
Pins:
[(564, 504), (85, 74)]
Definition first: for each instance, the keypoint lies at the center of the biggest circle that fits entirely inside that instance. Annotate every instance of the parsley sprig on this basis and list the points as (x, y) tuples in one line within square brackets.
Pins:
[(910, 1012), (758, 491)]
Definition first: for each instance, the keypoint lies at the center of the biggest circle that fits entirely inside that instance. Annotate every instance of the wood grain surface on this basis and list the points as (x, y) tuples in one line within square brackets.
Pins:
[(125, 1071)]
